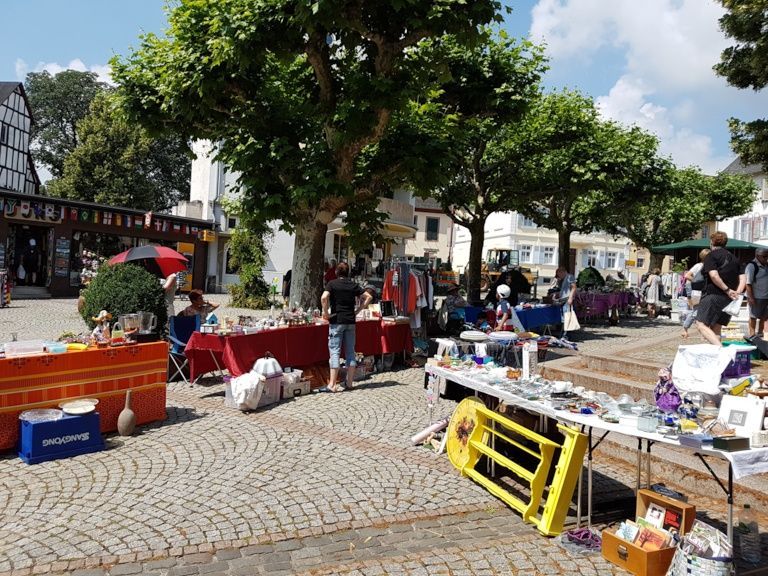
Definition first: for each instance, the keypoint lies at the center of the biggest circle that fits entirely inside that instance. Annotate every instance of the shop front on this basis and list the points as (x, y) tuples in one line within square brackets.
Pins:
[(58, 244)]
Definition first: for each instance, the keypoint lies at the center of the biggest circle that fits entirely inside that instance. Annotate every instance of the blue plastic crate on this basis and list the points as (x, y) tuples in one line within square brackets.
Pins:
[(70, 436), (740, 366)]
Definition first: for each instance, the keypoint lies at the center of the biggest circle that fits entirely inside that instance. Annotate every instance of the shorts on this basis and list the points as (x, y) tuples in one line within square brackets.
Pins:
[(760, 309), (710, 310)]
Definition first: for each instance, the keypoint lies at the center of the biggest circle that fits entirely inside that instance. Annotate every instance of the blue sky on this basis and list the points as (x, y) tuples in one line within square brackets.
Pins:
[(645, 62)]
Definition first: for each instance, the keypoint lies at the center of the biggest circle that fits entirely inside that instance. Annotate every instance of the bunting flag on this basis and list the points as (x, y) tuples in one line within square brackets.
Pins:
[(148, 219), (165, 226), (186, 229), (158, 224), (138, 224), (85, 215), (106, 218), (195, 231), (128, 221), (95, 216), (118, 219), (177, 227), (74, 214)]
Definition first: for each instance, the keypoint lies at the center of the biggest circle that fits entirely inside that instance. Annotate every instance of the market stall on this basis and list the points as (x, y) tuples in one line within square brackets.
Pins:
[(590, 305), (295, 346), (46, 380), (531, 317)]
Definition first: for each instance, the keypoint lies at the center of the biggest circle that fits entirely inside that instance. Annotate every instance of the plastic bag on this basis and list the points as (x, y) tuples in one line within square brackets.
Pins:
[(698, 367), (247, 390), (734, 307), (21, 273)]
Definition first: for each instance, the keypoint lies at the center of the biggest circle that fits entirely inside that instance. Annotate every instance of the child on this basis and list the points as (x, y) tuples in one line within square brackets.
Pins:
[(503, 310)]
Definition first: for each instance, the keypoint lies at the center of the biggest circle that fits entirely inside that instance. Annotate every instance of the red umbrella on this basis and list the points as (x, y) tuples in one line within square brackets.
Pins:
[(155, 258)]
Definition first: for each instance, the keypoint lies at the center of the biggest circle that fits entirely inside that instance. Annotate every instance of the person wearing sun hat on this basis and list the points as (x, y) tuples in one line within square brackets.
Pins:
[(455, 304)]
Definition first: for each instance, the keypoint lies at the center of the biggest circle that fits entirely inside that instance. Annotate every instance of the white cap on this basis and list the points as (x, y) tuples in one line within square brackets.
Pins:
[(32, 242), (503, 290)]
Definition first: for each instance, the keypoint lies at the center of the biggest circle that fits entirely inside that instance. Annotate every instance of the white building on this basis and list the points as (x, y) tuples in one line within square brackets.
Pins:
[(17, 170), (211, 183), (537, 248), (434, 232), (752, 226)]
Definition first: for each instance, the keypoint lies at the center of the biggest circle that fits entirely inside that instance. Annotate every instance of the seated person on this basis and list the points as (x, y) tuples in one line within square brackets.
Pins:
[(198, 306)]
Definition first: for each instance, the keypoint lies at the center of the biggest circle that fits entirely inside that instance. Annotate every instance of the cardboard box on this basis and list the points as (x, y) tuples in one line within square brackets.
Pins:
[(273, 387), (632, 557)]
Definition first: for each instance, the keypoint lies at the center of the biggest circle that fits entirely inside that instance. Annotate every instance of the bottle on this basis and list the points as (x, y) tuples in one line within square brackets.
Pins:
[(749, 536)]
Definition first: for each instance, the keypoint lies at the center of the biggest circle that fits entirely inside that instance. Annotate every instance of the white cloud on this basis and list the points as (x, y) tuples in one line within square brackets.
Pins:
[(673, 43), (103, 71), (628, 102)]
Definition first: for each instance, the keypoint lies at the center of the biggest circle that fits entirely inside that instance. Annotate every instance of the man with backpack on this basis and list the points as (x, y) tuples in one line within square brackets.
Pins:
[(757, 291)]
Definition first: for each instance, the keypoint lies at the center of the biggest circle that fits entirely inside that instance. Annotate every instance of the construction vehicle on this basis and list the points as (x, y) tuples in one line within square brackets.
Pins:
[(498, 260)]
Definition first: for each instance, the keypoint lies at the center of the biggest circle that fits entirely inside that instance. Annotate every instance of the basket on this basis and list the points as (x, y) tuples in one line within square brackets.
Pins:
[(684, 564)]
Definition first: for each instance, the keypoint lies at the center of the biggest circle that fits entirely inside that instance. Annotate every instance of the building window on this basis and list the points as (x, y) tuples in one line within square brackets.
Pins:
[(745, 230), (433, 228), (640, 261), (416, 220), (528, 223), (526, 253), (231, 222), (705, 231), (591, 257), (3, 134), (610, 260), (340, 247), (548, 255)]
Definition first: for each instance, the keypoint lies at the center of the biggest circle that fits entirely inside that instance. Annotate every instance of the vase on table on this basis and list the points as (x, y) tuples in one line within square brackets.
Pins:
[(126, 421)]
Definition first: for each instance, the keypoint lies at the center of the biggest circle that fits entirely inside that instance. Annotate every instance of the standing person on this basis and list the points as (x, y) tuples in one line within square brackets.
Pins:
[(652, 291), (330, 272), (757, 291), (724, 282), (31, 261), (286, 286), (199, 305), (169, 288), (455, 304), (490, 298), (338, 302), (567, 292), (504, 311), (695, 277)]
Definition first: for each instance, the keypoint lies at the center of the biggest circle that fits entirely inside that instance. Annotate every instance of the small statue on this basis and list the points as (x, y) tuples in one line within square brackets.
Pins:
[(101, 332)]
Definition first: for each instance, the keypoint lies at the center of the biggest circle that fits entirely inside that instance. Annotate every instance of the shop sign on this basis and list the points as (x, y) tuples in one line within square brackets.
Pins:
[(631, 263), (32, 211)]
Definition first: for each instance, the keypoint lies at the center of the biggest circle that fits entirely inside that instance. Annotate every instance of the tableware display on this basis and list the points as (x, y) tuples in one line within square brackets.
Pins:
[(41, 415)]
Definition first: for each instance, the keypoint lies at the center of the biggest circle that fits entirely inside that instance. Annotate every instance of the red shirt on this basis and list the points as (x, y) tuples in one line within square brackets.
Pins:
[(330, 274)]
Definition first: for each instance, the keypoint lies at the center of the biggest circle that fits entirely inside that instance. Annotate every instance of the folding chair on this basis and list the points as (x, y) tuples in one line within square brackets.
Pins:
[(181, 329)]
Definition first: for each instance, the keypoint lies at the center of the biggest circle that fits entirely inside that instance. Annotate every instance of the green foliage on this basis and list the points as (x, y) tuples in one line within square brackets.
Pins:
[(297, 94), (590, 276), (59, 103), (681, 202), (247, 252), (124, 289), (118, 163), (745, 65)]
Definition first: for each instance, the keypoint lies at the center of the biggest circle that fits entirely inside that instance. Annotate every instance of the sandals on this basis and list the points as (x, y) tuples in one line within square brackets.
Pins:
[(335, 389)]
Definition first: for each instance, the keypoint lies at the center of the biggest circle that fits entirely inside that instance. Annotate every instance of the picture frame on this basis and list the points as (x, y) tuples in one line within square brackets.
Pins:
[(387, 308), (742, 413)]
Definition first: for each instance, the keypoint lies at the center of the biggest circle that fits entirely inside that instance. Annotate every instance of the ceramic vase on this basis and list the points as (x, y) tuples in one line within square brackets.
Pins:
[(126, 421)]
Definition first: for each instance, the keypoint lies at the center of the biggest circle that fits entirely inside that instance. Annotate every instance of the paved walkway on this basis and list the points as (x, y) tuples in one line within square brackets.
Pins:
[(324, 484)]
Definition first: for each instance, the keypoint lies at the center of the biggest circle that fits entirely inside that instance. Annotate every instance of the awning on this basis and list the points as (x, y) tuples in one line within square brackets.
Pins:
[(700, 243)]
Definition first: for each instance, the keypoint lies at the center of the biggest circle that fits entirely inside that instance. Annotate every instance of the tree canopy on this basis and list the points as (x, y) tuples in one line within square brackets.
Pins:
[(577, 172), (59, 103), (745, 65), (482, 89), (117, 162), (297, 94)]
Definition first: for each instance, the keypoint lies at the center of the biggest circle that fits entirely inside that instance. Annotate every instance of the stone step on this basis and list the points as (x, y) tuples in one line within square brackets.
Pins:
[(573, 370), (29, 293), (626, 368)]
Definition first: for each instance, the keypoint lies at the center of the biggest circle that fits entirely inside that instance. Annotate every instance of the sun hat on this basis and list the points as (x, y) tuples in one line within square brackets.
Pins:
[(503, 290), (103, 315)]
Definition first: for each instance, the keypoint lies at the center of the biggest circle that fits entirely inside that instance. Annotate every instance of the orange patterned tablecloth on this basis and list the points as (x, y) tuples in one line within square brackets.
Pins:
[(45, 380)]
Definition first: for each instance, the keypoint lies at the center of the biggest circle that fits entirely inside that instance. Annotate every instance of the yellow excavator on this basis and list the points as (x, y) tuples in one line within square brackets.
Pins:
[(498, 260)]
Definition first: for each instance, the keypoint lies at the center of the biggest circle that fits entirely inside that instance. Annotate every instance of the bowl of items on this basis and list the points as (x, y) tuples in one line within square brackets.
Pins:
[(41, 415)]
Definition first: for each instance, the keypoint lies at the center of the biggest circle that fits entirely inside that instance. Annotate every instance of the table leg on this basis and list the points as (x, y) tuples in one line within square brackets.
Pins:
[(639, 464), (728, 492), (578, 498), (648, 444), (589, 482)]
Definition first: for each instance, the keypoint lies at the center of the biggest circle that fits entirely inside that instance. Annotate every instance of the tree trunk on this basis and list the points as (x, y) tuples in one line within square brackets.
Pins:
[(475, 264), (564, 250), (655, 261), (308, 262)]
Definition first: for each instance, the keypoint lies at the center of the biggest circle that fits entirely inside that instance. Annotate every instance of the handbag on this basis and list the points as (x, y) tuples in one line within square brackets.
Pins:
[(733, 308), (21, 273), (570, 320)]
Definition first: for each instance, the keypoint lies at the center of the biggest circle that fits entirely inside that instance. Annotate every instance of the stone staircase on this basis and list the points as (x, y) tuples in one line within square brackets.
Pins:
[(29, 293), (625, 373)]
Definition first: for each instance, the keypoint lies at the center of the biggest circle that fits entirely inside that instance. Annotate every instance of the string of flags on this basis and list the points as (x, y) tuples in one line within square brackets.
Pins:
[(51, 213)]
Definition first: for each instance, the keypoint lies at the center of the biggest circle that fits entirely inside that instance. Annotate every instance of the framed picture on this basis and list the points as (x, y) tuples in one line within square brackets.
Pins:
[(742, 413), (387, 308)]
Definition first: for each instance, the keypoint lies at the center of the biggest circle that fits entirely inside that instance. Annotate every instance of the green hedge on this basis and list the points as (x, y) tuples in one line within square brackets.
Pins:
[(124, 289)]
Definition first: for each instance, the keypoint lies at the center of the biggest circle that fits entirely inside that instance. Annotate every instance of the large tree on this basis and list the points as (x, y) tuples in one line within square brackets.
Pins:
[(745, 65), (576, 171), (59, 103), (684, 199), (117, 162), (298, 94), (484, 88)]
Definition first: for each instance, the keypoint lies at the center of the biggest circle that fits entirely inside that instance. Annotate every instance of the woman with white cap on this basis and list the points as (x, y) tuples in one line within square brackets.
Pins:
[(503, 309)]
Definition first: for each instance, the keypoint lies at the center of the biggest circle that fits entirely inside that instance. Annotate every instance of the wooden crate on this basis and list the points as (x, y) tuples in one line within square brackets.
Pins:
[(634, 558)]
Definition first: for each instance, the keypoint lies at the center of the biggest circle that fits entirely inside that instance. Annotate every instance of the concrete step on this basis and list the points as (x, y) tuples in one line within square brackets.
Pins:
[(574, 369), (626, 368), (29, 293)]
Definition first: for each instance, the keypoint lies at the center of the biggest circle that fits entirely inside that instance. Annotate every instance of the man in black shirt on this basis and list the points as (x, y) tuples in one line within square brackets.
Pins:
[(724, 282), (339, 301)]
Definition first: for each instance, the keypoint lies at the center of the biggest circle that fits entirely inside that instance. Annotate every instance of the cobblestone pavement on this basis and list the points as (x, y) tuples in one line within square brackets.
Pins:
[(323, 484)]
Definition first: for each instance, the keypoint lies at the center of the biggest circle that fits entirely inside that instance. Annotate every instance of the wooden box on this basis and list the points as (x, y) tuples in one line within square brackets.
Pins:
[(632, 557)]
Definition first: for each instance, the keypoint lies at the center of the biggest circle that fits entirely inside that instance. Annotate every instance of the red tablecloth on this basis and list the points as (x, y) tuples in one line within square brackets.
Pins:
[(296, 347)]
